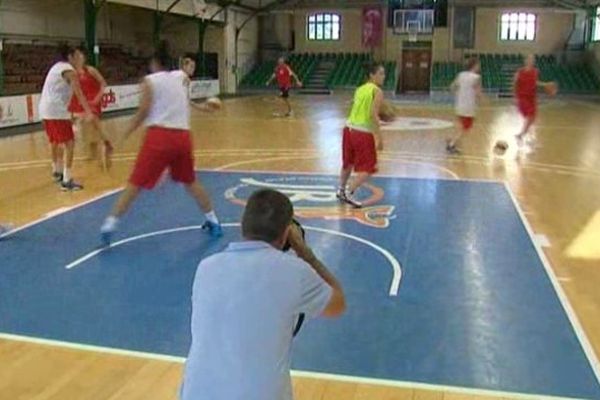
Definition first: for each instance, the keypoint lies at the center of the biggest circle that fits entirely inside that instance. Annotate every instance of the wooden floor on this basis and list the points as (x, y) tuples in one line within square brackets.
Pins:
[(557, 186)]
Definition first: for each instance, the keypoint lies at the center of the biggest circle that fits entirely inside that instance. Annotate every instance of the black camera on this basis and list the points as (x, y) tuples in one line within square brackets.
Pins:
[(287, 246)]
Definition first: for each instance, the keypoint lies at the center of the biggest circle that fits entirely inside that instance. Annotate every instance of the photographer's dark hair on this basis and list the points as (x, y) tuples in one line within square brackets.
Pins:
[(372, 67), (65, 50), (267, 215)]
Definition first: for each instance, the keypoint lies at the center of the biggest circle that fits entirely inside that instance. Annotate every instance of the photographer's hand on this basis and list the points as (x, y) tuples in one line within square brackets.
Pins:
[(337, 304)]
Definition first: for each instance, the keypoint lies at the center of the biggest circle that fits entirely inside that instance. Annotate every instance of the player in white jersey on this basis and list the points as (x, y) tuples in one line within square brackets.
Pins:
[(60, 85), (165, 112), (467, 91)]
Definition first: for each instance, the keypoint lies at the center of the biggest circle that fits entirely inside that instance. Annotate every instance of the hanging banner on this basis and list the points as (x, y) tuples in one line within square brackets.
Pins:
[(372, 26)]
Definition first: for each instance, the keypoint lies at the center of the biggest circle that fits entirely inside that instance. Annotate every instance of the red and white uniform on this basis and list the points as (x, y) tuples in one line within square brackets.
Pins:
[(54, 102), (526, 91), (465, 103), (90, 87), (283, 76), (167, 143)]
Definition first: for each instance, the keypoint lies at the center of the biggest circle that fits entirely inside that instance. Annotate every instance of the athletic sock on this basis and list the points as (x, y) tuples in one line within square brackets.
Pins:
[(110, 224), (66, 175), (212, 217)]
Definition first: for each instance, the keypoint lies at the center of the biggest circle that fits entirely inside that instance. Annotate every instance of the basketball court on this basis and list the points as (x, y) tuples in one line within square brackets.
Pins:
[(470, 276)]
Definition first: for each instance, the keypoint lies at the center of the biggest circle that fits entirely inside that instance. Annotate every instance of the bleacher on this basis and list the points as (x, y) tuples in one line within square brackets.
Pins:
[(498, 71), (26, 65), (344, 70)]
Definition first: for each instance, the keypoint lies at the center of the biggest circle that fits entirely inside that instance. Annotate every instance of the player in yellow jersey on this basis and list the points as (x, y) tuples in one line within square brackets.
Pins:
[(362, 136)]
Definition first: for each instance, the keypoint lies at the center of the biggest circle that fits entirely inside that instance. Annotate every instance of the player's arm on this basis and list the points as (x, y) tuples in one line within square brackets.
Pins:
[(143, 109), (377, 104), (271, 79), (98, 77), (454, 85), (71, 77), (514, 82), (293, 75), (337, 302)]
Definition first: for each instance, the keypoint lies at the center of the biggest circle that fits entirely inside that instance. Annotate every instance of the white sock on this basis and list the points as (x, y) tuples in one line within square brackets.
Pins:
[(66, 175), (56, 167), (212, 217), (110, 224)]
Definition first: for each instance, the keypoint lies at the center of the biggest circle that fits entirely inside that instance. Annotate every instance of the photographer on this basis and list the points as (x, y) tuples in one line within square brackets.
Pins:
[(246, 303)]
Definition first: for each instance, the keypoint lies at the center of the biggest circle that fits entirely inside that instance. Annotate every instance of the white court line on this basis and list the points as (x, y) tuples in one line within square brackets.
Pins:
[(294, 373), (310, 157), (562, 297), (59, 212), (396, 268)]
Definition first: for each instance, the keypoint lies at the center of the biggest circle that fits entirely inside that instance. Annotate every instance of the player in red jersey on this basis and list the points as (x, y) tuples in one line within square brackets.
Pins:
[(93, 86), (525, 84), (167, 145), (284, 74)]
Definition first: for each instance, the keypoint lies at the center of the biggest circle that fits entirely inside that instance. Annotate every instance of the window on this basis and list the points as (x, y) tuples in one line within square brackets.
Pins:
[(323, 27), (596, 26), (518, 26)]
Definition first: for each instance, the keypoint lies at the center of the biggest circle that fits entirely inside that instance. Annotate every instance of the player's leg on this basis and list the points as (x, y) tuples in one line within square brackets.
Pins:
[(182, 170), (365, 164), (347, 164), (124, 202), (68, 184), (151, 161), (56, 150), (286, 101), (454, 138), (57, 161)]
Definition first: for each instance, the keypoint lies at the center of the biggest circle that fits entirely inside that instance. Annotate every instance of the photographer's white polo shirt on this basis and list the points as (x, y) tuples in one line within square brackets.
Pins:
[(245, 304)]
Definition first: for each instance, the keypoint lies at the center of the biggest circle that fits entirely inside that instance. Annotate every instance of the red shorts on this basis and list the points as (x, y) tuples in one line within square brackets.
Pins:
[(466, 122), (359, 151), (164, 148), (527, 107), (59, 131)]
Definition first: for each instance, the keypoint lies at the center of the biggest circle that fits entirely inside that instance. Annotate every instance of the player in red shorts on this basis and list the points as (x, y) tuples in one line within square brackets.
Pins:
[(93, 86), (467, 89), (525, 84), (284, 74), (362, 136), (164, 110), (60, 85)]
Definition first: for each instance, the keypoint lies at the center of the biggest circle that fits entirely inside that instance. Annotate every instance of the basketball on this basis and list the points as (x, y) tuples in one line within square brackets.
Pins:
[(387, 112), (500, 147), (551, 89), (214, 103)]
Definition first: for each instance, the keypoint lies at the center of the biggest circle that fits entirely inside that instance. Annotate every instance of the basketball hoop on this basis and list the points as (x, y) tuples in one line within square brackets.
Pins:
[(199, 8), (413, 28)]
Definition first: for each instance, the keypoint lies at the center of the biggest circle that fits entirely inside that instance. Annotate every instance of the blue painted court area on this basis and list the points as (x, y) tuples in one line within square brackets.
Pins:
[(444, 284)]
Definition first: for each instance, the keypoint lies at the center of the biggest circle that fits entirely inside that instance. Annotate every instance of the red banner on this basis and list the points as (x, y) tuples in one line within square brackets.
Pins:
[(372, 26)]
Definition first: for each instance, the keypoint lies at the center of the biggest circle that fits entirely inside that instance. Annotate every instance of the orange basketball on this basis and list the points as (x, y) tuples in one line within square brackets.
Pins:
[(551, 88), (387, 112)]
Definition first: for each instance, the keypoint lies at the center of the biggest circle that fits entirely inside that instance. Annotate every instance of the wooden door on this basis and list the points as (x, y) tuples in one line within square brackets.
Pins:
[(416, 70)]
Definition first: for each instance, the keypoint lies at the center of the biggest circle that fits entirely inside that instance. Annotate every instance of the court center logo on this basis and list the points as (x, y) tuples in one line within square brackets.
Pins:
[(315, 198)]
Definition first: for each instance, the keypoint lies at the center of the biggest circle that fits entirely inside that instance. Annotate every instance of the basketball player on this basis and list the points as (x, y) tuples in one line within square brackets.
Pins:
[(186, 72), (284, 74), (525, 84), (362, 136), (165, 112), (60, 85), (93, 86), (467, 89)]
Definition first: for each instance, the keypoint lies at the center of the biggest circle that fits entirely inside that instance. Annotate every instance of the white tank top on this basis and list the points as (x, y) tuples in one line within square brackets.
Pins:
[(466, 93), (56, 93), (170, 105)]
